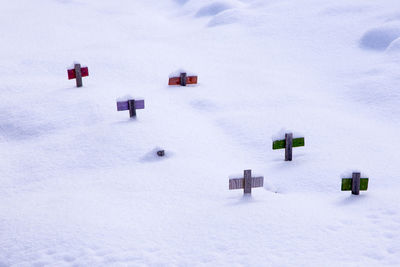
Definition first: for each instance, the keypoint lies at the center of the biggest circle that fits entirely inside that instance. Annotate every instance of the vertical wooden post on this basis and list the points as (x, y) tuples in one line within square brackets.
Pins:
[(132, 109), (183, 78), (355, 183), (289, 146), (247, 181), (78, 75)]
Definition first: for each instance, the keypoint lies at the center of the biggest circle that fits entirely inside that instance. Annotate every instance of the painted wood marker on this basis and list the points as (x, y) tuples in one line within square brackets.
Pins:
[(288, 143), (132, 105), (355, 184), (247, 182), (182, 80), (77, 73)]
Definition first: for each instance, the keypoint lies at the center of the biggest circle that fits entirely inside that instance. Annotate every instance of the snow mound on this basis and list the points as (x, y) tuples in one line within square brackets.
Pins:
[(394, 46), (213, 9), (226, 17), (181, 2), (178, 72), (344, 10), (21, 128), (380, 38)]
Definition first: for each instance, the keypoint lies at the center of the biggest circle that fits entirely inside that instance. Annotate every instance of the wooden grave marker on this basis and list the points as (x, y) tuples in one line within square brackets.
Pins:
[(247, 182), (132, 105), (288, 143), (355, 184), (182, 80), (77, 73)]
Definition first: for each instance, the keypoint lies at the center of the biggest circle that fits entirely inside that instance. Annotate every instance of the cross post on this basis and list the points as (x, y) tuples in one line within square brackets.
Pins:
[(132, 109), (247, 181), (78, 74), (183, 78), (355, 184), (288, 146)]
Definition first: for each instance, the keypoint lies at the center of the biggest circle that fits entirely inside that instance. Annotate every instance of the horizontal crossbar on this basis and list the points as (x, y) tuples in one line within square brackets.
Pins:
[(347, 182), (238, 183), (177, 80), (279, 144)]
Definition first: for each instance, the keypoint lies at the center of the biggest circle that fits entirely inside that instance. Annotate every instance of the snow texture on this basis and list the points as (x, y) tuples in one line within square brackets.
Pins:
[(81, 184)]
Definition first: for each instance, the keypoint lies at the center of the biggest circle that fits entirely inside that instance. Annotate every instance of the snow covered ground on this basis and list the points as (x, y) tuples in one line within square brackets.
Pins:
[(80, 182)]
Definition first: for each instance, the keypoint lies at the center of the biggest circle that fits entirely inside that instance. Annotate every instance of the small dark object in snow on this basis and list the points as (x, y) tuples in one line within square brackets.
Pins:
[(161, 153)]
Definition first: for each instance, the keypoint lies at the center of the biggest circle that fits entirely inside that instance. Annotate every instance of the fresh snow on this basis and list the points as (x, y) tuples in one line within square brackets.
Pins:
[(80, 182)]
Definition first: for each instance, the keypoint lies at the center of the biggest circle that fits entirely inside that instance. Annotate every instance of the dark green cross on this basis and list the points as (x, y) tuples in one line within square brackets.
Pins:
[(355, 184), (288, 143)]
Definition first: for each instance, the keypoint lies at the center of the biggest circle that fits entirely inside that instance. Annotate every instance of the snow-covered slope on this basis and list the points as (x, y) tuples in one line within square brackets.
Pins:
[(80, 182)]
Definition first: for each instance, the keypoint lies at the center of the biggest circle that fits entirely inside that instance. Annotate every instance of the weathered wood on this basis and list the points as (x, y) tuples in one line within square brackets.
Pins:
[(355, 185), (257, 182), (247, 181), (183, 78), (238, 183), (132, 109), (78, 75), (288, 146), (280, 144)]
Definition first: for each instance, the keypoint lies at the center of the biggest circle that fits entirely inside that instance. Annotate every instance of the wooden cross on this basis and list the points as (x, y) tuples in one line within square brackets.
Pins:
[(247, 182), (355, 184), (288, 143), (132, 105), (182, 80), (77, 73)]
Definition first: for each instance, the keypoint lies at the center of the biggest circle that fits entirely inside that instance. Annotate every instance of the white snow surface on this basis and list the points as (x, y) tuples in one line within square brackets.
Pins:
[(80, 182)]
